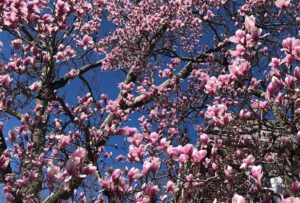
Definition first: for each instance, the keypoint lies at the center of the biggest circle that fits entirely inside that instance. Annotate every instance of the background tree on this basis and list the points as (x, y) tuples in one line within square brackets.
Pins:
[(208, 108)]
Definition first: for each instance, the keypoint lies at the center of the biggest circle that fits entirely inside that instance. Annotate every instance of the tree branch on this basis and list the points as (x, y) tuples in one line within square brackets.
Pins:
[(63, 81)]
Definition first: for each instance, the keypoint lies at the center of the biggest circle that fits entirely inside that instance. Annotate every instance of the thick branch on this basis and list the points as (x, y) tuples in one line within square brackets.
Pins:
[(63, 81)]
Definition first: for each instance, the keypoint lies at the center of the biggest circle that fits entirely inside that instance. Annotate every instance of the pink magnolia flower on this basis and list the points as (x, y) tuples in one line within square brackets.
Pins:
[(188, 150), (239, 51), (106, 184), (175, 151), (183, 158), (133, 174), (35, 86), (5, 80), (204, 139), (295, 186), (136, 153), (60, 56), (73, 73), (120, 158), (69, 52), (21, 182), (248, 161), (297, 73), (89, 170), (4, 159), (291, 200), (249, 22), (164, 143), (85, 42), (275, 63), (52, 173), (127, 131), (57, 124), (218, 114), (239, 37), (282, 3), (170, 186), (9, 197), (12, 136), (273, 87), (211, 86), (256, 171), (228, 173), (62, 8), (17, 44), (71, 170), (198, 155), (290, 81), (79, 155), (239, 68), (83, 117), (116, 175), (136, 139), (151, 190), (64, 140), (238, 199), (163, 198), (291, 46), (151, 165), (154, 137)]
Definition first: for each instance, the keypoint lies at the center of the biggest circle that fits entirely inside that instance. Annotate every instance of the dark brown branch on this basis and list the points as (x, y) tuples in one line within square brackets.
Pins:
[(63, 81)]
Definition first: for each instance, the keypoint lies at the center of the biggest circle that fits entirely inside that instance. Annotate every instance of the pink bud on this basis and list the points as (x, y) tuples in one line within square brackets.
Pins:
[(298, 137), (297, 73), (228, 173), (214, 166), (284, 140), (295, 187), (290, 81), (269, 158)]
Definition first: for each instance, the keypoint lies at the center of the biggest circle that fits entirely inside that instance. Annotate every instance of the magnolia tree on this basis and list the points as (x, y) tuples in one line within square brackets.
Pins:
[(208, 110)]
